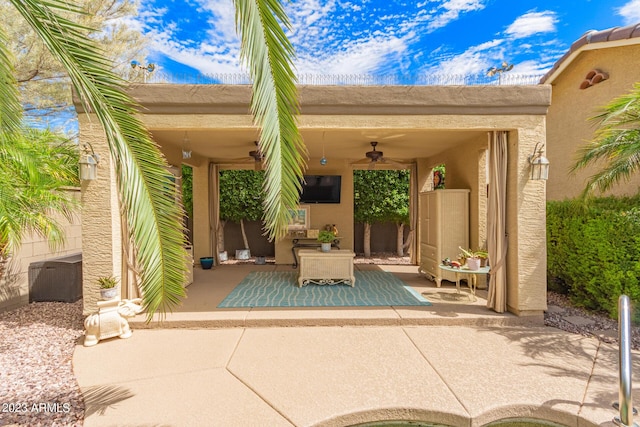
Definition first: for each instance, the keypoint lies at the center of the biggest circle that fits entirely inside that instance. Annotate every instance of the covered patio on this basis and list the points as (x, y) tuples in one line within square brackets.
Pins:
[(420, 126), (210, 287)]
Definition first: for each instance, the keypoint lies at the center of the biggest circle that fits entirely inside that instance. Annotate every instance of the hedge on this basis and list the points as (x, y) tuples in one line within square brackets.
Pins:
[(593, 251)]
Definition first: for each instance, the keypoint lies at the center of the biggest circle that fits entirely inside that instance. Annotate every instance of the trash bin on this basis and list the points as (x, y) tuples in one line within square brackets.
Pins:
[(56, 279)]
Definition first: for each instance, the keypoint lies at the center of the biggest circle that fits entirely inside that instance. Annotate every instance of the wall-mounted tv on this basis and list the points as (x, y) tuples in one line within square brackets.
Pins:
[(321, 189)]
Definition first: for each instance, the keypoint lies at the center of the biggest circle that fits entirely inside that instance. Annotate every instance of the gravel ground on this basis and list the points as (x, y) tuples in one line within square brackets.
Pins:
[(37, 343), (562, 315), (37, 386)]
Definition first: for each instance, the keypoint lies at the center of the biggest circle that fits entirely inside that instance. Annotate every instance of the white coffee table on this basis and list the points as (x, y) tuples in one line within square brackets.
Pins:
[(326, 268)]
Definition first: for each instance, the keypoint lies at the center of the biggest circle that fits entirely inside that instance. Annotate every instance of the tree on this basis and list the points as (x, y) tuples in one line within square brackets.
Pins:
[(616, 143), (381, 196), (152, 216), (35, 168), (44, 84), (241, 198)]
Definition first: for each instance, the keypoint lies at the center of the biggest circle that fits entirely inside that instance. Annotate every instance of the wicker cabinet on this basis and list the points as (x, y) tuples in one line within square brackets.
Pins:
[(444, 226)]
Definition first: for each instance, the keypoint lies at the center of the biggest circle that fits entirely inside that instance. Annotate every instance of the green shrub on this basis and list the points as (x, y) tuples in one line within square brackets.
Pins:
[(593, 251)]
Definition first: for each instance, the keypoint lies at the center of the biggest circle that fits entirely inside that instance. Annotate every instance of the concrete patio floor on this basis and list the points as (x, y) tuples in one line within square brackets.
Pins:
[(451, 364), (210, 287)]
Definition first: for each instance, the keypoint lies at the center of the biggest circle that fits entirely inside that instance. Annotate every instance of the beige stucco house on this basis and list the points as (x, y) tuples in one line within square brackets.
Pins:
[(599, 67), (422, 126)]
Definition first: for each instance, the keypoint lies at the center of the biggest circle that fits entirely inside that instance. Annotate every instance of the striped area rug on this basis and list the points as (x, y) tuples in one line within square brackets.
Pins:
[(279, 289)]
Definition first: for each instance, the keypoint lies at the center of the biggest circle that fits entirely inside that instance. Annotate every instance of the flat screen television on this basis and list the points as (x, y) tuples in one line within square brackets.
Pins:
[(321, 189)]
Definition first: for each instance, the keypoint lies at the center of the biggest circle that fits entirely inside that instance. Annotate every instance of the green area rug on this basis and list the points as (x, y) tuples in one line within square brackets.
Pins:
[(279, 289)]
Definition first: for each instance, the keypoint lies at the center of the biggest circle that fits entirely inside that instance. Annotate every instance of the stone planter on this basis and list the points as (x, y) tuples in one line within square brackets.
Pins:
[(109, 293), (473, 263), (243, 254)]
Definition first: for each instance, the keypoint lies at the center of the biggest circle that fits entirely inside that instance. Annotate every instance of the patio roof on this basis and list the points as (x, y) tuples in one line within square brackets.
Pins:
[(342, 120)]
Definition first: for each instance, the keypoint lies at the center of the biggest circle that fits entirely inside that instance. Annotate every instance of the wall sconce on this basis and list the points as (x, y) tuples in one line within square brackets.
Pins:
[(539, 164), (89, 164)]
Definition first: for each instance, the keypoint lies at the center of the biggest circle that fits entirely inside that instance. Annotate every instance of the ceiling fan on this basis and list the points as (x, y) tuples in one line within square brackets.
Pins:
[(375, 157), (255, 156)]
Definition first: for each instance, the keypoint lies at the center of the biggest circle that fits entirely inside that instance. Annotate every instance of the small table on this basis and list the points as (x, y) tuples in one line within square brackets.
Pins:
[(471, 279), (326, 268)]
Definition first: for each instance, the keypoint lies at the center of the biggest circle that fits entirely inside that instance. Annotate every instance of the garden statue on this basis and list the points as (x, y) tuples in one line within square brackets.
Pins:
[(110, 320)]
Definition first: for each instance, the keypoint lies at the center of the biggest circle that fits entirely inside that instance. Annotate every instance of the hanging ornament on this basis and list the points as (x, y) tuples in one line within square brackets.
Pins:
[(323, 159), (186, 147)]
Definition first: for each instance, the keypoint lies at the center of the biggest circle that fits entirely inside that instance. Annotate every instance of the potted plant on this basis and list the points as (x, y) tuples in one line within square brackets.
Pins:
[(206, 262), (473, 260), (109, 288), (326, 237), (483, 254)]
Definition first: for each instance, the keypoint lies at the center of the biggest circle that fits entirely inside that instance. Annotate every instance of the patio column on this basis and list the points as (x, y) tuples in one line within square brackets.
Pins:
[(526, 225), (201, 211), (101, 225)]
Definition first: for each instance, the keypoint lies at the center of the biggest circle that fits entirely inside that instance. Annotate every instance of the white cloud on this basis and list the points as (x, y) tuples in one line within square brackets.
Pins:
[(452, 10), (475, 60), (630, 12), (532, 23)]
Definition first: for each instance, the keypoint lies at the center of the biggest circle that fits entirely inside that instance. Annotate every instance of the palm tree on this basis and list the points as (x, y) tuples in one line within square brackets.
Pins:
[(616, 143), (154, 220), (35, 167)]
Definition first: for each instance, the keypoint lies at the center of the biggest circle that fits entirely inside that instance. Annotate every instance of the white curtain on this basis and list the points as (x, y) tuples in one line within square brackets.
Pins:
[(214, 209), (496, 221)]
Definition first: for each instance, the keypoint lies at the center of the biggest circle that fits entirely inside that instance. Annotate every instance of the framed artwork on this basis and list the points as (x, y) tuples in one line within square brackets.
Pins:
[(298, 218)]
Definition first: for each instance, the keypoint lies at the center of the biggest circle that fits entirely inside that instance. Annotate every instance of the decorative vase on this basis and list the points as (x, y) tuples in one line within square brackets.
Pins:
[(206, 262), (325, 247), (109, 293), (473, 263)]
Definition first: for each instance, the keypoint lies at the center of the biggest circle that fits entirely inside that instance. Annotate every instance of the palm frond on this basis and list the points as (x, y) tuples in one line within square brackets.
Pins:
[(274, 105), (146, 189), (615, 148), (34, 170), (10, 108)]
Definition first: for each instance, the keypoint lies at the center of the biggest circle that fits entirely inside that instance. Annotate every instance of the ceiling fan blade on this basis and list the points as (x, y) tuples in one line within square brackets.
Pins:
[(396, 164), (361, 162)]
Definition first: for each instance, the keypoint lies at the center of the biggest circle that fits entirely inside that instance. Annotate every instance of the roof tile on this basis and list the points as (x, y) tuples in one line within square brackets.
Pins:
[(591, 37)]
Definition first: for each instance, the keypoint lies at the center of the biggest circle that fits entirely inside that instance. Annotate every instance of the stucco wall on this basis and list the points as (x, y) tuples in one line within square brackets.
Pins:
[(101, 230), (321, 214), (14, 286), (568, 125)]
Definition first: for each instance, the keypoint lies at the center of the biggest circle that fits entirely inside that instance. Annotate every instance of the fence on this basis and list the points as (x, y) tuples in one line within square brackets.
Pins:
[(348, 79)]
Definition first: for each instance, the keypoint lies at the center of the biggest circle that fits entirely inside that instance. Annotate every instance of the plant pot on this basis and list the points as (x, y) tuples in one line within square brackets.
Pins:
[(109, 293), (473, 263), (483, 262), (325, 247), (243, 254), (223, 256), (260, 260), (206, 262)]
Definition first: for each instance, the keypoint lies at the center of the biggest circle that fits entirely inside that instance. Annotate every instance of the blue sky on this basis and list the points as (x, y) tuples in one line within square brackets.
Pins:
[(382, 37)]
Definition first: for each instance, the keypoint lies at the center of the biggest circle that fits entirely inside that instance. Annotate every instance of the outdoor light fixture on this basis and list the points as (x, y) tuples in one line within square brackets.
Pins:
[(495, 70), (539, 164), (186, 147), (148, 68), (89, 164)]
